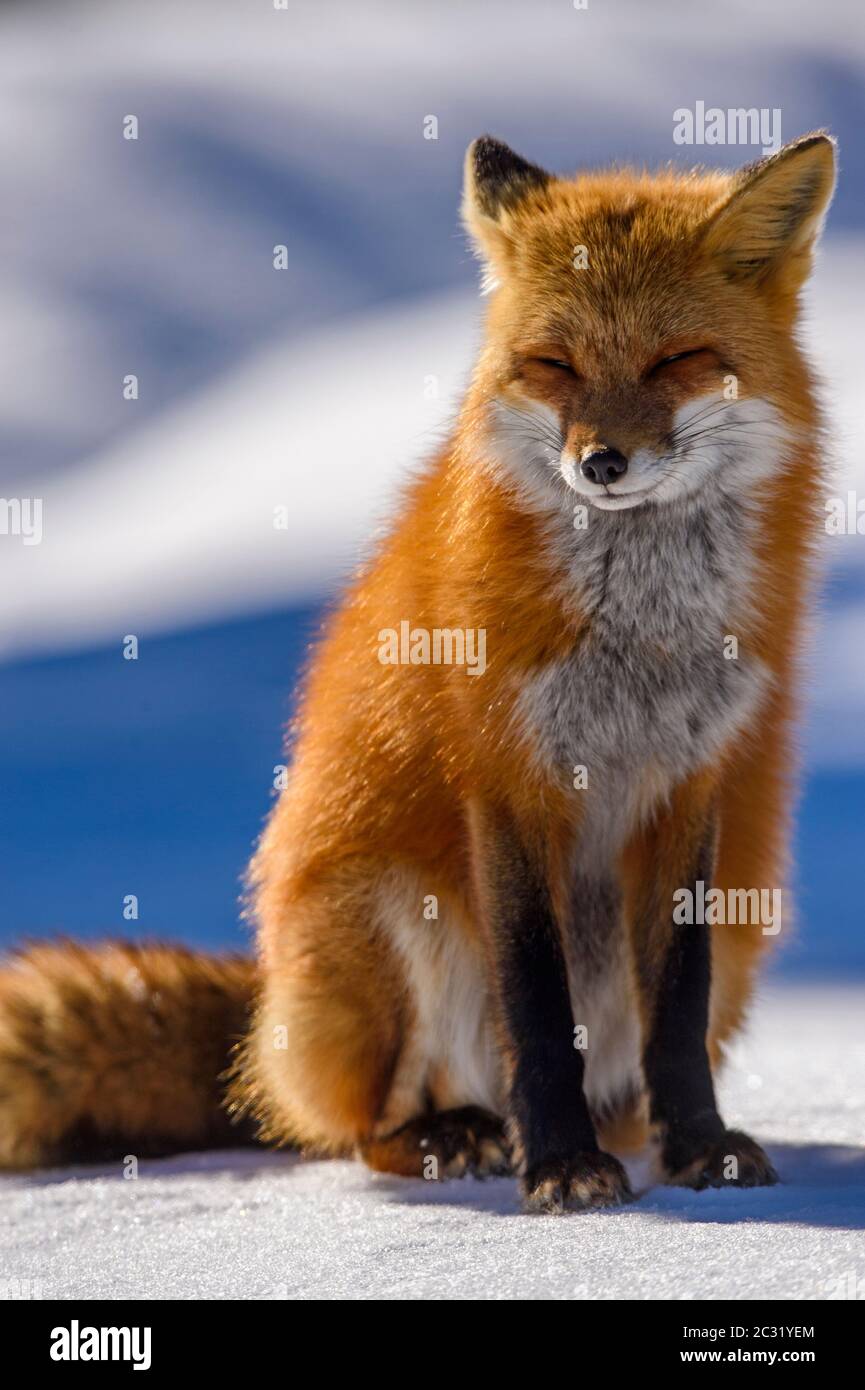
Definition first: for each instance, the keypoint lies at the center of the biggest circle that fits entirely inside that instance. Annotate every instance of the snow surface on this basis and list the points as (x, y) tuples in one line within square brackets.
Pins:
[(256, 1225)]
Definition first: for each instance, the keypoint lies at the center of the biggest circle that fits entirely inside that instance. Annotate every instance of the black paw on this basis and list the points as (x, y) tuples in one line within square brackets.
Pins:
[(468, 1140), (734, 1160), (579, 1183)]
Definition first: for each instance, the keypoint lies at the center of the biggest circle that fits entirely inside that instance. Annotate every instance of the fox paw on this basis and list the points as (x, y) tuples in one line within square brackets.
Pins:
[(580, 1183), (444, 1144), (734, 1160), (468, 1140)]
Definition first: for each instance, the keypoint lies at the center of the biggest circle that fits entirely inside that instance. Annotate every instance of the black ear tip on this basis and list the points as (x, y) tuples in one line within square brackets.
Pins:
[(816, 137), (495, 160), (499, 172), (815, 140), (488, 153)]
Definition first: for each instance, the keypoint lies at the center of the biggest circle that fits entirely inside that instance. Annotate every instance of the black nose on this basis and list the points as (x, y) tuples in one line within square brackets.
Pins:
[(603, 466)]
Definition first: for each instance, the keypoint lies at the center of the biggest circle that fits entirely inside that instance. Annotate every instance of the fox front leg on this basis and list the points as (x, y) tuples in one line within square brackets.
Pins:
[(561, 1163), (674, 974)]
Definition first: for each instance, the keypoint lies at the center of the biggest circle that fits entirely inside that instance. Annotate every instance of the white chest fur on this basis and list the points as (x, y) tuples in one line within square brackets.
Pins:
[(662, 678)]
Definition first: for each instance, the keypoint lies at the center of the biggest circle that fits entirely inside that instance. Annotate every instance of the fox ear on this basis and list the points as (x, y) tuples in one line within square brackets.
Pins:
[(496, 181), (772, 218)]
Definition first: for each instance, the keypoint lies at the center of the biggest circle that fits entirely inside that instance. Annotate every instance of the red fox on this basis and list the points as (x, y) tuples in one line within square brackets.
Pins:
[(470, 954)]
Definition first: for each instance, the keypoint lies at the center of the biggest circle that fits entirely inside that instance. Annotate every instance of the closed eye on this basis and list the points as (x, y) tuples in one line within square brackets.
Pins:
[(556, 362), (676, 357)]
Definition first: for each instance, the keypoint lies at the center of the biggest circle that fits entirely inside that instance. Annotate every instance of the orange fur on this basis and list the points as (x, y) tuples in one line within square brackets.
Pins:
[(388, 759)]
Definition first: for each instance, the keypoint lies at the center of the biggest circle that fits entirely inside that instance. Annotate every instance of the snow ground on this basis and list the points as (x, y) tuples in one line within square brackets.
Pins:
[(255, 1225)]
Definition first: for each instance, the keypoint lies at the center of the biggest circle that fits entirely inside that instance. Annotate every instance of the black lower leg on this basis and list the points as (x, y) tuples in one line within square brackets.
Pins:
[(547, 1103), (676, 1059), (678, 1075), (696, 1148), (555, 1137)]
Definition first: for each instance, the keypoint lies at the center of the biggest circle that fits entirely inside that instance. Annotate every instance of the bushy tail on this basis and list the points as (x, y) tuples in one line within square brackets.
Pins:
[(116, 1049)]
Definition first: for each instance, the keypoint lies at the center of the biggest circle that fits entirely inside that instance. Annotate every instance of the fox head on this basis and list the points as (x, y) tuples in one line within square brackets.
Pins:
[(641, 332)]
